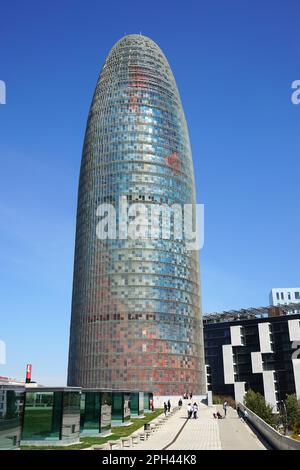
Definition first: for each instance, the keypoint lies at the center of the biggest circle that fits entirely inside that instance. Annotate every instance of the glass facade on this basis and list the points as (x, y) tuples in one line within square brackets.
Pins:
[(95, 412), (136, 404), (279, 359), (147, 399), (120, 408), (106, 412), (136, 318), (51, 415), (11, 413)]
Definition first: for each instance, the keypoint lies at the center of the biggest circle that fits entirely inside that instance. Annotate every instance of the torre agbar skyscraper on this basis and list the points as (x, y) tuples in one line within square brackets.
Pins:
[(136, 304)]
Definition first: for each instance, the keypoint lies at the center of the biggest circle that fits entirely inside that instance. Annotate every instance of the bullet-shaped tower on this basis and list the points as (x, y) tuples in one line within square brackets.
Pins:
[(136, 305)]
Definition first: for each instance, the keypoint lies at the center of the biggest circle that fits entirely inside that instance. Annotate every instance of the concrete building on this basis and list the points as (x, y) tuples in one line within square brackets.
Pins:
[(253, 348), (11, 381), (285, 296)]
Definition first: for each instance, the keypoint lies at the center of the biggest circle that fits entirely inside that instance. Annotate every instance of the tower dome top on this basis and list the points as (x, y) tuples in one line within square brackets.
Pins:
[(136, 39)]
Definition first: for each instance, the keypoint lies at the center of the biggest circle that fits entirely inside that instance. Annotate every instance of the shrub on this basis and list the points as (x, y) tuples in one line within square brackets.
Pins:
[(219, 400), (293, 413), (256, 403)]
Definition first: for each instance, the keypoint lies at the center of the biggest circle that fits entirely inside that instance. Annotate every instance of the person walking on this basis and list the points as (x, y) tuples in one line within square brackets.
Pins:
[(189, 411), (151, 404), (169, 405), (191, 395), (165, 408), (225, 404), (180, 403), (195, 410)]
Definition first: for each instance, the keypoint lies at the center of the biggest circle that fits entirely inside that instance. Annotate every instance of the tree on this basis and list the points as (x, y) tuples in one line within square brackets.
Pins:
[(256, 403), (293, 413)]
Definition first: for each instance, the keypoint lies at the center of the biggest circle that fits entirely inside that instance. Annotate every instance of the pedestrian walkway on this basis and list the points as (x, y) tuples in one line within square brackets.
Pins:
[(235, 434), (203, 433), (199, 434)]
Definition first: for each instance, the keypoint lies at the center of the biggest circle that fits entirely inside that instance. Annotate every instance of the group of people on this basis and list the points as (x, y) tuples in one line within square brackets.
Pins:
[(167, 407), (218, 415), (192, 410)]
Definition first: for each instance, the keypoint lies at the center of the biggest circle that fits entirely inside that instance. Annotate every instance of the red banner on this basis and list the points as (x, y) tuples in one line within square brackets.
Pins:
[(28, 373)]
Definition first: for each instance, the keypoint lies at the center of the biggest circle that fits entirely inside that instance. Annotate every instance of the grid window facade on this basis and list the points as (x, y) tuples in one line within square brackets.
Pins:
[(136, 319)]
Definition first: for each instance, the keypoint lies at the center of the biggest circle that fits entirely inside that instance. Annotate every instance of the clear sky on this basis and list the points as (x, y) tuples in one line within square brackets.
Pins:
[(234, 62)]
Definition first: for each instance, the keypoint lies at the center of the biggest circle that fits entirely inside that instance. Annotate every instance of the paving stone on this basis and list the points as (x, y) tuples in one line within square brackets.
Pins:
[(203, 433)]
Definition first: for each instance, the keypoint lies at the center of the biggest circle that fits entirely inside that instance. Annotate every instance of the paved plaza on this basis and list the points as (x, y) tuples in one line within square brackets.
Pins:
[(204, 433)]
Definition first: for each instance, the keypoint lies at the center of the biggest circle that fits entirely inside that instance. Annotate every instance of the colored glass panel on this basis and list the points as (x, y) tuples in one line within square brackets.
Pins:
[(136, 315)]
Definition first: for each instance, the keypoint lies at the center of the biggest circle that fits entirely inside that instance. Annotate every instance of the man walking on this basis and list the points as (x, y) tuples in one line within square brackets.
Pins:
[(169, 405), (195, 410), (225, 404), (189, 411)]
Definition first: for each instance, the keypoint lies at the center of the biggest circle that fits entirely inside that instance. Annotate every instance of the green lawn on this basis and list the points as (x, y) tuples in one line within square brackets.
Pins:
[(117, 433)]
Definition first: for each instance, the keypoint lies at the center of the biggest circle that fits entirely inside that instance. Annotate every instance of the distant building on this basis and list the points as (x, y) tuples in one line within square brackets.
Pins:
[(285, 296), (256, 349), (10, 381)]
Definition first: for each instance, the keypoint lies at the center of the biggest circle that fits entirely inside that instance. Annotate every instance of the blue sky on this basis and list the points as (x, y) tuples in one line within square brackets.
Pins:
[(234, 62)]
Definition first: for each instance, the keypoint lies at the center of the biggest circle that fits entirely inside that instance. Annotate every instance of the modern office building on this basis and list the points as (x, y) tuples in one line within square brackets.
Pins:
[(136, 304), (285, 296), (257, 348)]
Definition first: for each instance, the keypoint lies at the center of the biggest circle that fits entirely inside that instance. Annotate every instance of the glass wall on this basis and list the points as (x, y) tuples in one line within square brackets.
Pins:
[(117, 407), (51, 415), (137, 403), (90, 413), (148, 399), (127, 412), (95, 412), (11, 411), (106, 410), (42, 416), (120, 407), (71, 416), (141, 403)]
